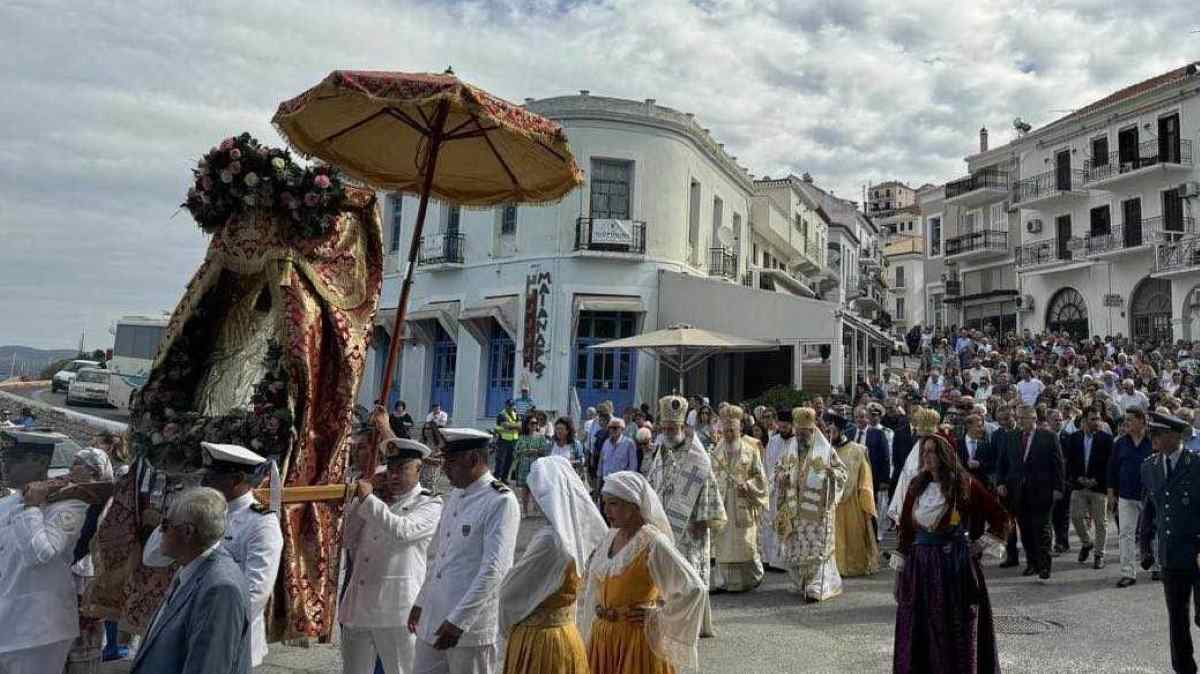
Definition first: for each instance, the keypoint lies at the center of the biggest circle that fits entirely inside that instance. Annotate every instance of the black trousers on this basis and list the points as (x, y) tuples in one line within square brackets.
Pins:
[(1061, 520), (504, 458), (1036, 536), (1178, 587)]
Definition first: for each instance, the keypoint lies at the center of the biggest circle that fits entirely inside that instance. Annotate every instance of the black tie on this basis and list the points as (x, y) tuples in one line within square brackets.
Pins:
[(1168, 461)]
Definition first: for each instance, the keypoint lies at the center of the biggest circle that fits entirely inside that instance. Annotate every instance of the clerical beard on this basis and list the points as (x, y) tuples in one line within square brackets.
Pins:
[(676, 439)]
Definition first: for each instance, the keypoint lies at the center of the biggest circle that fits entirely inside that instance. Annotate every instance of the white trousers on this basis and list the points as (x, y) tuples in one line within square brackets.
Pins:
[(1128, 510), (457, 660), (48, 659), (394, 646)]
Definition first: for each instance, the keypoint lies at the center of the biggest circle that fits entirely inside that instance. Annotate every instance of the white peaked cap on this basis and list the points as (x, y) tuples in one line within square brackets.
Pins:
[(403, 448), (231, 454)]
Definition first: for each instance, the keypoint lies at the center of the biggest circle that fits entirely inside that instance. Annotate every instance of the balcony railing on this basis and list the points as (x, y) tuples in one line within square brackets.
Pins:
[(1102, 168), (1178, 255), (953, 287), (976, 241), (722, 262), (997, 180), (610, 235), (1147, 231), (1049, 184), (1047, 252), (445, 248)]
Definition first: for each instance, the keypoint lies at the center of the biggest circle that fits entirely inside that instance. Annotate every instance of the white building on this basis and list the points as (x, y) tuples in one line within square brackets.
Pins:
[(657, 235)]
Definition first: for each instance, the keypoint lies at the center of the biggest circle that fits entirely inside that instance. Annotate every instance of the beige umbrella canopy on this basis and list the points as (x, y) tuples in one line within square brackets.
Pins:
[(681, 347), (432, 135)]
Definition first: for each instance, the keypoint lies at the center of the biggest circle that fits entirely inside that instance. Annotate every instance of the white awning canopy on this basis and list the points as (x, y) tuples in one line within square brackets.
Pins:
[(477, 319), (419, 324), (614, 303)]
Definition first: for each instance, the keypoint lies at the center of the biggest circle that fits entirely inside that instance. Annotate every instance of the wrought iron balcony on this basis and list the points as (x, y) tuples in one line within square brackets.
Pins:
[(1048, 252), (1145, 232), (608, 235), (1049, 185), (953, 287), (722, 262), (979, 188), (1178, 256), (981, 241), (1149, 154), (444, 248)]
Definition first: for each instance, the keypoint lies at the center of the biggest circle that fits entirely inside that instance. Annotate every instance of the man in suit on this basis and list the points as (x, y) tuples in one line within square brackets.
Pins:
[(1060, 518), (976, 453), (1004, 440), (1032, 475), (1172, 481), (203, 625), (878, 449), (1087, 454), (903, 437)]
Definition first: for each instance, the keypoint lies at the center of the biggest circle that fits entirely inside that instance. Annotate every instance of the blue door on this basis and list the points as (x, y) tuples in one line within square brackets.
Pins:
[(604, 375), (502, 358), (445, 360)]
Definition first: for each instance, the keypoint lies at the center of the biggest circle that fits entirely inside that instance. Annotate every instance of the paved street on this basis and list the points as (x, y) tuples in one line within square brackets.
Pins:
[(60, 400), (1077, 622)]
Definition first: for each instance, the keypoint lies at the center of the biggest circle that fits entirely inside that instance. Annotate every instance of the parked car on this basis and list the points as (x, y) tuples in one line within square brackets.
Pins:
[(89, 386), (65, 448), (63, 378)]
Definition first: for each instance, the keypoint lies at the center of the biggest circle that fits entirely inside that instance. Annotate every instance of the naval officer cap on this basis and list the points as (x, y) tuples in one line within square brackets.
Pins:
[(223, 458), (1166, 423), (395, 450), (465, 439)]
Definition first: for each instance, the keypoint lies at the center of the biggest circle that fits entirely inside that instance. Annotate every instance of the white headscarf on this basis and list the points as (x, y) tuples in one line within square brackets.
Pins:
[(97, 460), (567, 506), (634, 488)]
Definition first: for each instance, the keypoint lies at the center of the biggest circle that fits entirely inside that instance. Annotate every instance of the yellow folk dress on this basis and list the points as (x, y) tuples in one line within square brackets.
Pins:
[(548, 641), (617, 645)]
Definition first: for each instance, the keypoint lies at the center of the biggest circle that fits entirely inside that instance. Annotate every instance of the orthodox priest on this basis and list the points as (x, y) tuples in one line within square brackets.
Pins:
[(681, 473), (781, 444), (855, 546), (738, 470), (810, 485)]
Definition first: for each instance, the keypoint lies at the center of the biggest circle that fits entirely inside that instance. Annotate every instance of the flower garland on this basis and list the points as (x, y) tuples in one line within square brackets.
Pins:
[(242, 174)]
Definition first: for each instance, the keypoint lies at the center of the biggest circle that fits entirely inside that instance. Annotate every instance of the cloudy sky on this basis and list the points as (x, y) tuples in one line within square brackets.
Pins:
[(107, 105)]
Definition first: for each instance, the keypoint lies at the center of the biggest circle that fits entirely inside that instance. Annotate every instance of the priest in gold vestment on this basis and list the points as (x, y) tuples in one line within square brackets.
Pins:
[(738, 470), (855, 547)]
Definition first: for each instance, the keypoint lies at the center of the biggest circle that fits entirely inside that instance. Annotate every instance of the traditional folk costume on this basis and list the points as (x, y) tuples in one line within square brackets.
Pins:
[(777, 448), (537, 600), (925, 422), (647, 573), (742, 482), (943, 614), (681, 473), (855, 548), (810, 485)]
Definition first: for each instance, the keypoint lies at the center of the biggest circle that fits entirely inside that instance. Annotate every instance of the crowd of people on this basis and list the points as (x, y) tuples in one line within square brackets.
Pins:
[(990, 445)]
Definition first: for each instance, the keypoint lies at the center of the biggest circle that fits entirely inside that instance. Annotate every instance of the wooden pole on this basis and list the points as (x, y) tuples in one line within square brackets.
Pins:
[(435, 143)]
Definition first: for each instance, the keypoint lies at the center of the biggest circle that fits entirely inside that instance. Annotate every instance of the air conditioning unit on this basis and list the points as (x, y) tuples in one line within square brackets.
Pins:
[(1188, 190), (1034, 226), (1025, 303)]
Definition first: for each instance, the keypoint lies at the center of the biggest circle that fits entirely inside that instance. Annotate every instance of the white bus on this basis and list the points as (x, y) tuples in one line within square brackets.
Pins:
[(135, 344)]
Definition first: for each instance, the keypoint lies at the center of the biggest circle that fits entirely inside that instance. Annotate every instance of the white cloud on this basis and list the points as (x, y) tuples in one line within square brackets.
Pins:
[(106, 105)]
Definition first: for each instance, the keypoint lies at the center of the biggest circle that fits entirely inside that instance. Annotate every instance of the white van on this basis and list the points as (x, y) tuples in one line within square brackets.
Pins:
[(63, 378), (90, 385)]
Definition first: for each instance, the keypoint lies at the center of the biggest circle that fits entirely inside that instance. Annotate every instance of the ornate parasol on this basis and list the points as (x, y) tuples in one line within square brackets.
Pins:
[(432, 135)]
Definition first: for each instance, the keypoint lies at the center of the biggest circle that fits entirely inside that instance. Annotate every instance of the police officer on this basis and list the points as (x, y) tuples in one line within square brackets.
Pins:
[(388, 527), (38, 610), (455, 614), (1171, 477), (252, 533)]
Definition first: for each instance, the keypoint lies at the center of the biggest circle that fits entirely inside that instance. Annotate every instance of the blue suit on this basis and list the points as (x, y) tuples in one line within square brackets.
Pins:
[(205, 627)]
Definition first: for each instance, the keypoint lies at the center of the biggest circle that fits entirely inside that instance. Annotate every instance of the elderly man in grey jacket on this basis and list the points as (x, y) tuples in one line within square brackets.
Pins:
[(203, 625)]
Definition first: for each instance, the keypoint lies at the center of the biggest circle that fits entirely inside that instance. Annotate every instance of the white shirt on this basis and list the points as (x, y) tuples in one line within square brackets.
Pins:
[(1030, 390), (38, 605), (1136, 399), (388, 545), (474, 544), (440, 418)]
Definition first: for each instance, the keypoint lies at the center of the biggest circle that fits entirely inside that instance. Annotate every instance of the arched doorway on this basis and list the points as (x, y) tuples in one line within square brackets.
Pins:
[(1150, 310), (1067, 312), (1191, 315)]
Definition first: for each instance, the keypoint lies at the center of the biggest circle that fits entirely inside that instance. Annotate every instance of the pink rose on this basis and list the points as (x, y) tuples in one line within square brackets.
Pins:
[(234, 167), (228, 143), (322, 181), (311, 199), (206, 183), (235, 153)]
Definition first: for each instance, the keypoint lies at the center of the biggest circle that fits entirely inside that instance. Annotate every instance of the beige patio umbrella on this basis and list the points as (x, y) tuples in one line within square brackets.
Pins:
[(680, 347)]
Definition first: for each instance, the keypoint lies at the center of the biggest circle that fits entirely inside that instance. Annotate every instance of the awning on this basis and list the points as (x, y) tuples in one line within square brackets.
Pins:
[(608, 303), (477, 319), (419, 324)]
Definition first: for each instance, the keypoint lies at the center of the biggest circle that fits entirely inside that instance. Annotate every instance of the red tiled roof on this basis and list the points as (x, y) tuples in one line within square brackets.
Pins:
[(1131, 91)]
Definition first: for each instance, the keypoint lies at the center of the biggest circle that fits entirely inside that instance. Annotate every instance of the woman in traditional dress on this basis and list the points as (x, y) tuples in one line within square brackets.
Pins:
[(643, 603), (531, 446), (943, 615), (537, 600), (90, 465), (564, 444), (704, 427)]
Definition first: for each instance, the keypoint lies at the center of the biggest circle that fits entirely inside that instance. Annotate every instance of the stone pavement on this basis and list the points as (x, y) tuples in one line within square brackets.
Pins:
[(1076, 622)]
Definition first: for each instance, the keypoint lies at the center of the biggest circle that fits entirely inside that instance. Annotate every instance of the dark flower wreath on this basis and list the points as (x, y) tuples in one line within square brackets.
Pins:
[(240, 174)]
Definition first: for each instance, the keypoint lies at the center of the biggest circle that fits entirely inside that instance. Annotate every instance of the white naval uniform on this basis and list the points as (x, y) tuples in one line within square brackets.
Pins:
[(39, 610), (474, 543), (388, 546), (255, 541)]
